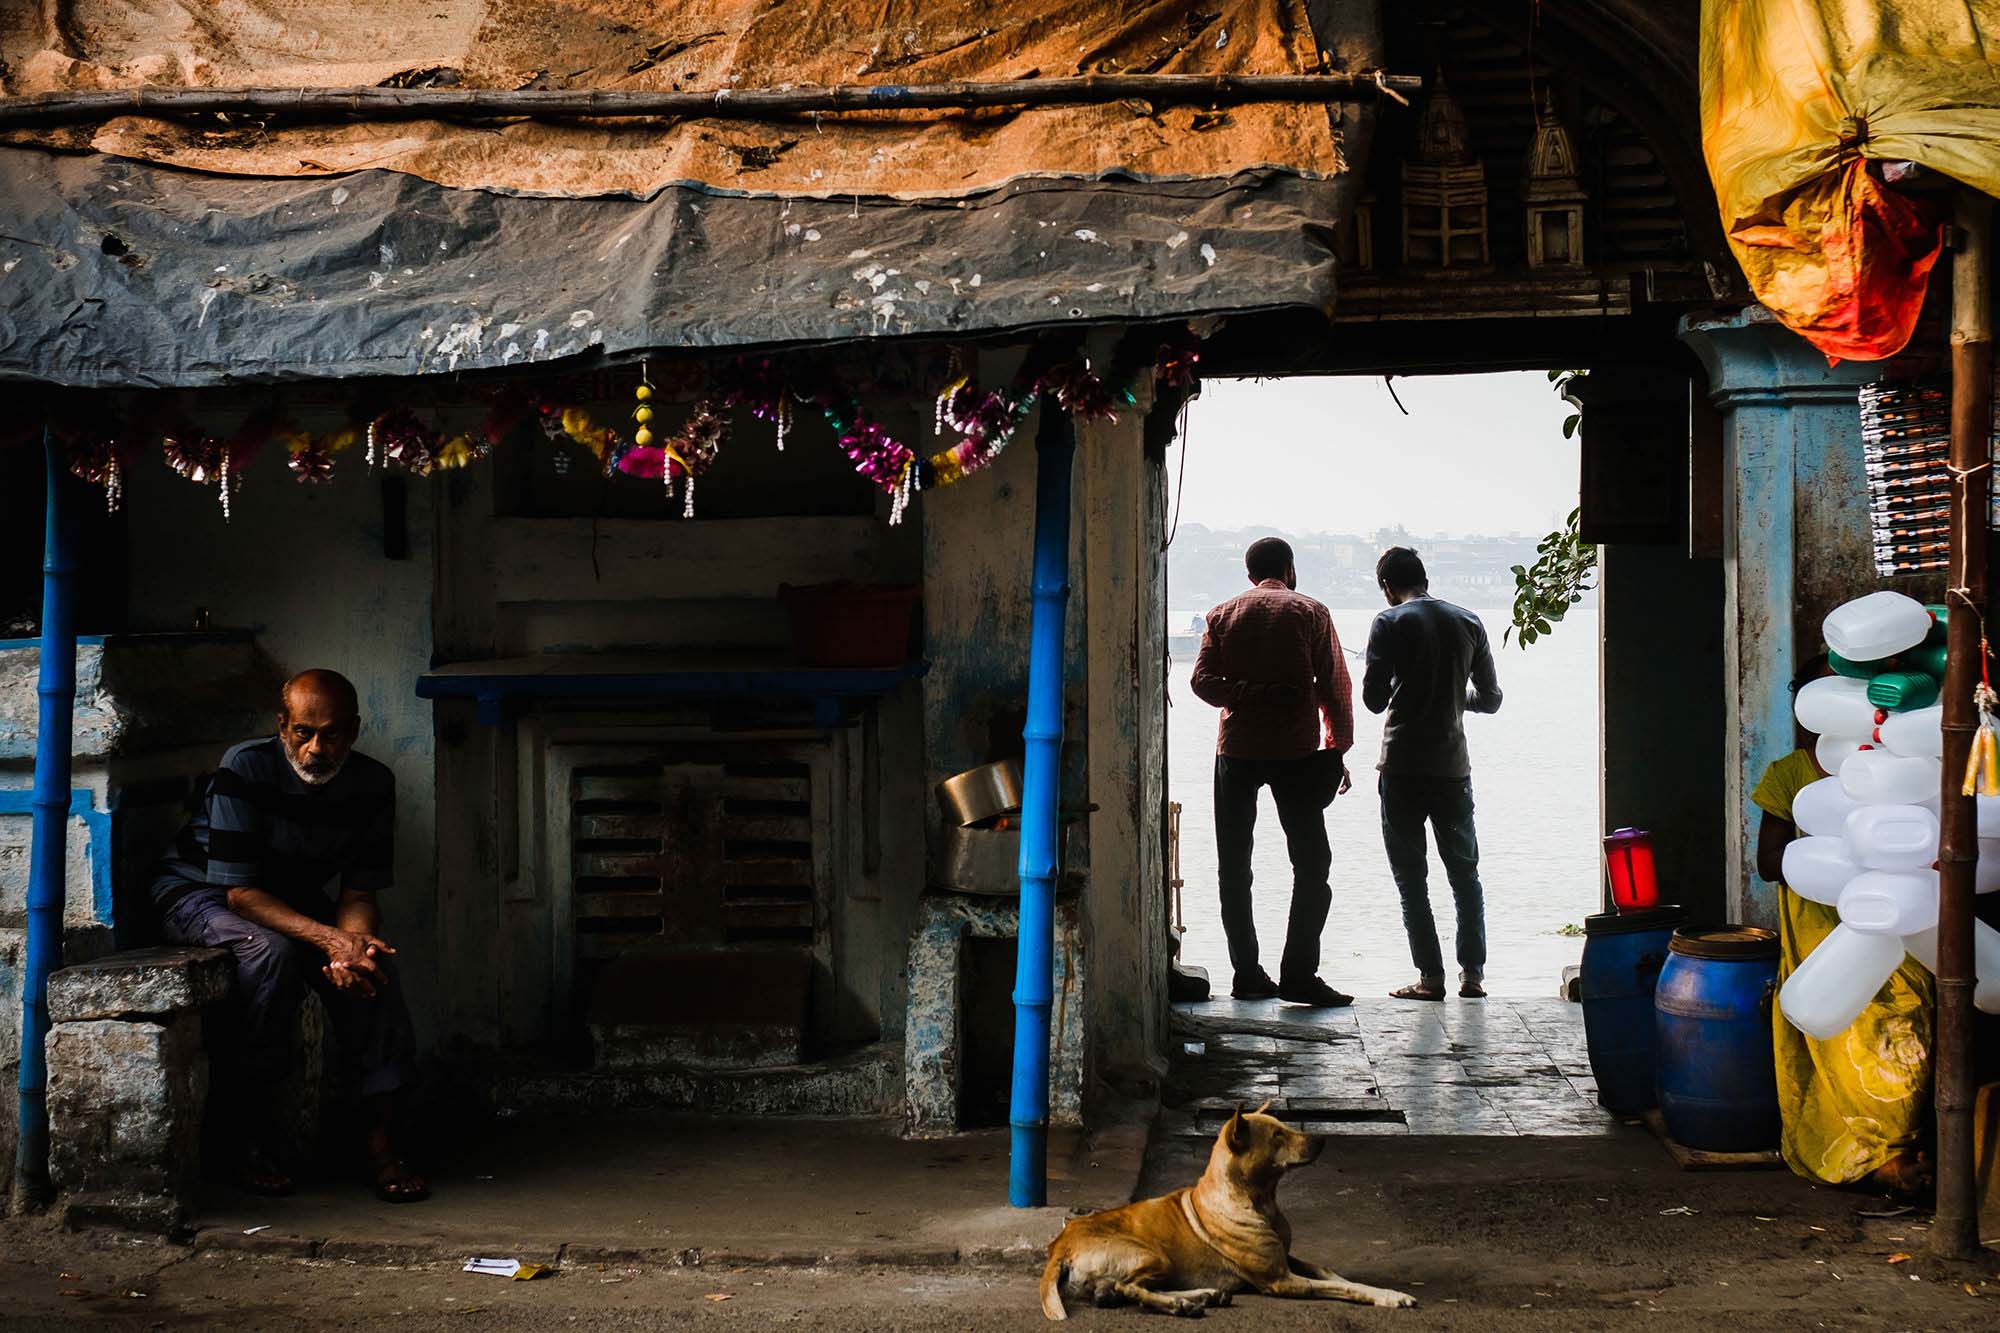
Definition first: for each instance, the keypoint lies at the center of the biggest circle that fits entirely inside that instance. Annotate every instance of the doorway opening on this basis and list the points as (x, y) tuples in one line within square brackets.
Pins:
[(1473, 472)]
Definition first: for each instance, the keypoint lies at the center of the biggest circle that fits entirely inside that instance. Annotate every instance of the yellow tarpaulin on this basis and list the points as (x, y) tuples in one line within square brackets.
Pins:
[(1798, 99)]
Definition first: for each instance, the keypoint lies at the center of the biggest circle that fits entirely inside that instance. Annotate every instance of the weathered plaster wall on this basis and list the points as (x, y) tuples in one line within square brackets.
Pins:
[(978, 553), (143, 703), (304, 568), (1124, 582)]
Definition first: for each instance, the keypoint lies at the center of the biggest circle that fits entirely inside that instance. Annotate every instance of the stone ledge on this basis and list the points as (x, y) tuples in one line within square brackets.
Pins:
[(866, 1083), (218, 1242), (141, 983), (159, 1214)]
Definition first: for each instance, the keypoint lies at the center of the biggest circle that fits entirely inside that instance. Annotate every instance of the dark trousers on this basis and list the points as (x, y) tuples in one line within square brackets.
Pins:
[(1408, 802), (1293, 786), (373, 1035)]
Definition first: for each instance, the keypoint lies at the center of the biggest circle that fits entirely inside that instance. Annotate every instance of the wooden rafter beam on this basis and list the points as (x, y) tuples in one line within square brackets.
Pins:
[(51, 109)]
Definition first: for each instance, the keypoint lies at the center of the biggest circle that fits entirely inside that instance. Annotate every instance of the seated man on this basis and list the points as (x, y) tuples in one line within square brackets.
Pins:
[(281, 820)]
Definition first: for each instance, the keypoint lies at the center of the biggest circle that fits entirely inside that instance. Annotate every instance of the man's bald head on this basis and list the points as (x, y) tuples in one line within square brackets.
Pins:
[(318, 720), (329, 689)]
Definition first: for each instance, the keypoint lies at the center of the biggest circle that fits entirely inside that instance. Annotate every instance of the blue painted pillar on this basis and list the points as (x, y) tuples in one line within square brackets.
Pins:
[(46, 868), (1041, 779), (1797, 545)]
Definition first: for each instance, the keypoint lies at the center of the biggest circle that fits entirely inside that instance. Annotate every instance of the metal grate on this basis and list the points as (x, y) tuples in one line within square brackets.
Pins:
[(692, 855)]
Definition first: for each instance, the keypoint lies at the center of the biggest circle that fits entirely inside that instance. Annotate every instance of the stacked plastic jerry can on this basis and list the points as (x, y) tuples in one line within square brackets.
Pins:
[(1870, 843)]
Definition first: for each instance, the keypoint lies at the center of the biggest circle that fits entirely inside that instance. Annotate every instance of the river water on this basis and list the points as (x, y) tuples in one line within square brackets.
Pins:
[(1534, 781)]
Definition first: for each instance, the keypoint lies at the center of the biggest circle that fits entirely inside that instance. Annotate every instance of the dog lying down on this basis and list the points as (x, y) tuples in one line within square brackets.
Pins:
[(1186, 1251)]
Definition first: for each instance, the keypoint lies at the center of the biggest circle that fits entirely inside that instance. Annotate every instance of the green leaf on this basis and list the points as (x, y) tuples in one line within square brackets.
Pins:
[(1570, 425), (1544, 591)]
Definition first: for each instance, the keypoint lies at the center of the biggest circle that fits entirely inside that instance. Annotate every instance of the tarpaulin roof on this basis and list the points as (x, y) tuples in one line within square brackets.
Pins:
[(1797, 97), (175, 254), (142, 276)]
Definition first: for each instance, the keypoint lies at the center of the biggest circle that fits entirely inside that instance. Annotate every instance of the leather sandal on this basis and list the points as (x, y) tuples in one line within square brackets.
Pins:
[(396, 1183), (257, 1173), (1417, 990)]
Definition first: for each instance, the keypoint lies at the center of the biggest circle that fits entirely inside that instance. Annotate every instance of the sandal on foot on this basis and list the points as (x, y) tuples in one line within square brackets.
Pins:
[(1417, 991), (258, 1174), (396, 1183), (1471, 990)]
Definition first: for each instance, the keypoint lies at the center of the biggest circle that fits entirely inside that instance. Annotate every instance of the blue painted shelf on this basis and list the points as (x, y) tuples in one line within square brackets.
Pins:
[(503, 685)]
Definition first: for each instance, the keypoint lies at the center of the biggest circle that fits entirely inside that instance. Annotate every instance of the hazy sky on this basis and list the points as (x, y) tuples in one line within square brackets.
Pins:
[(1476, 454)]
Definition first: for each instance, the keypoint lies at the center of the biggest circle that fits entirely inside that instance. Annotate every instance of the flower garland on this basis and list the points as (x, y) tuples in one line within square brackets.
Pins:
[(682, 457), (983, 421)]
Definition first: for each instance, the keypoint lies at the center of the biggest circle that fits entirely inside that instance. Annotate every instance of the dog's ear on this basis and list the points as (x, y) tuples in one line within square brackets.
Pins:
[(1236, 1134), (1265, 1107)]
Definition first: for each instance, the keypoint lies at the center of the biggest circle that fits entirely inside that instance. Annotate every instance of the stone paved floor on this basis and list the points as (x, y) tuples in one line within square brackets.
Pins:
[(1387, 1067)]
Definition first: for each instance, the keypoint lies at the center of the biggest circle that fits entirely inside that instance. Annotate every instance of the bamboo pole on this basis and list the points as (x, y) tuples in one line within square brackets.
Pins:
[(1955, 1234), (49, 109)]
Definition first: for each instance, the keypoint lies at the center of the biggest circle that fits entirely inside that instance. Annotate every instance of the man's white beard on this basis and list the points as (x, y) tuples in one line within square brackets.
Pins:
[(319, 779)]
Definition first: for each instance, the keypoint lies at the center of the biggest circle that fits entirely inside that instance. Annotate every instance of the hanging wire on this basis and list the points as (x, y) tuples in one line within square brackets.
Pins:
[(1389, 383), (1180, 480)]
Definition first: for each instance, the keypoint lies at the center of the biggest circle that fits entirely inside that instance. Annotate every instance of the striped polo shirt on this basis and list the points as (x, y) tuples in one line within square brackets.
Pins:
[(259, 825)]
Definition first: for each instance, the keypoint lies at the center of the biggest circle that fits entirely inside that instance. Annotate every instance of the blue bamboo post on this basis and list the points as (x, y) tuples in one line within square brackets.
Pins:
[(46, 869), (1027, 1177)]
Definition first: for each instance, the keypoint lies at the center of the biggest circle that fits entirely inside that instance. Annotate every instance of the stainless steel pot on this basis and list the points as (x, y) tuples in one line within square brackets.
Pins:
[(988, 861), (979, 794)]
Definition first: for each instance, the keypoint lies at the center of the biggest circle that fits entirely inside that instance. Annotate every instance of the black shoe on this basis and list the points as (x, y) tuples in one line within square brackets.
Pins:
[(1314, 993), (1254, 986)]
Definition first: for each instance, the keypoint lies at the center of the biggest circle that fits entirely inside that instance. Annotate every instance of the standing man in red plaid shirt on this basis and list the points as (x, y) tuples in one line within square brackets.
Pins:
[(1270, 660)]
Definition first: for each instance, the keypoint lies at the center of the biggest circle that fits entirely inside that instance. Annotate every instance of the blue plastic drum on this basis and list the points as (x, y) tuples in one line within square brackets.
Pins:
[(1718, 1081), (1622, 957)]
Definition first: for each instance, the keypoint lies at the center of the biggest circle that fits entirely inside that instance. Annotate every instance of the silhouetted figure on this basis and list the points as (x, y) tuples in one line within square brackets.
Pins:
[(1270, 660), (1428, 662)]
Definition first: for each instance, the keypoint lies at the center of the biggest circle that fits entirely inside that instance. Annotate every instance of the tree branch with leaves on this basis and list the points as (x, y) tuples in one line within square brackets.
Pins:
[(1565, 566)]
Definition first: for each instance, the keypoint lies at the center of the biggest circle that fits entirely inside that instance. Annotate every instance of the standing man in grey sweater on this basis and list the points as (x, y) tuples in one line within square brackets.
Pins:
[(1428, 662)]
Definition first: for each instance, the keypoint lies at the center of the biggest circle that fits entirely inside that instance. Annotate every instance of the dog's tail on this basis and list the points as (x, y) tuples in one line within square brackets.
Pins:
[(1053, 1274)]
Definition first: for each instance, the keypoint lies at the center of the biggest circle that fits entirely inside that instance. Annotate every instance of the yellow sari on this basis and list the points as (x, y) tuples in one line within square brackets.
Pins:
[(1855, 1101)]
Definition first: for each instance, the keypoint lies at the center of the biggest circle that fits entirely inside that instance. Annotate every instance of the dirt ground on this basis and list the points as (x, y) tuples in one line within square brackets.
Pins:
[(1488, 1233)]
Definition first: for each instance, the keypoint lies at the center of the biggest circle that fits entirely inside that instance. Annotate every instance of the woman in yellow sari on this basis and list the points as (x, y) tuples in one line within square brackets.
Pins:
[(1856, 1107)]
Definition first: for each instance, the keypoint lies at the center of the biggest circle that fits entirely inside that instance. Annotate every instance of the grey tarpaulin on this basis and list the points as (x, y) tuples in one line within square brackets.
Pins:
[(119, 273)]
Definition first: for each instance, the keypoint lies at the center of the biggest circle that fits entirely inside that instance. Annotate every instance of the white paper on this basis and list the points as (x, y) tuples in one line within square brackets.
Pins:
[(496, 1267)]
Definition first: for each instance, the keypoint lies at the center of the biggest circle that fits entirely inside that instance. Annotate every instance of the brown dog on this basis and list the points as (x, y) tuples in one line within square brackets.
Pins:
[(1185, 1251)]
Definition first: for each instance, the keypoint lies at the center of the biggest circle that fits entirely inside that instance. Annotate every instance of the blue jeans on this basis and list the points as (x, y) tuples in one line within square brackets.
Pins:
[(1408, 801)]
